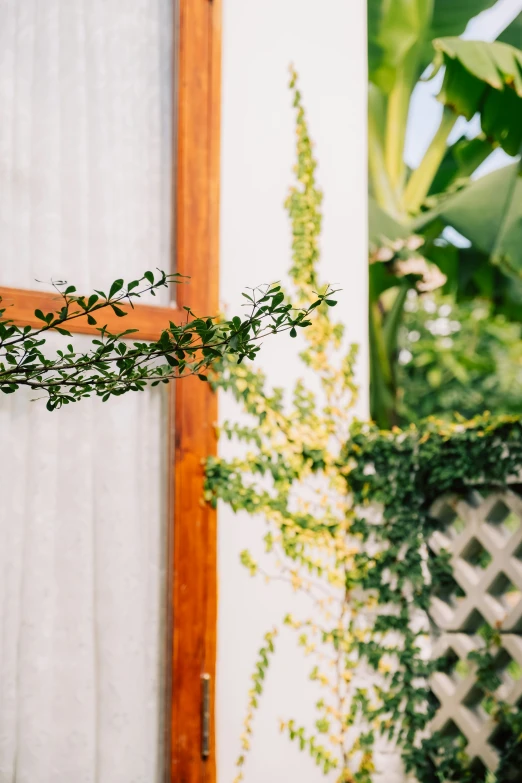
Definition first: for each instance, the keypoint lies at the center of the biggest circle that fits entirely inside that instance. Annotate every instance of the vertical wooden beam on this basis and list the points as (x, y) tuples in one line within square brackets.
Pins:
[(212, 408), (194, 598)]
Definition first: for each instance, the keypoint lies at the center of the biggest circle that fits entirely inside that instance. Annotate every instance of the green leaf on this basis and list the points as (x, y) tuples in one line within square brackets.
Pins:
[(149, 276), (63, 331), (118, 311), (393, 321), (293, 332), (395, 29), (164, 340), (512, 34), (40, 315), (461, 160), (382, 398), (202, 377), (115, 287), (91, 320), (451, 17), (485, 78), (383, 227), (375, 47), (488, 212)]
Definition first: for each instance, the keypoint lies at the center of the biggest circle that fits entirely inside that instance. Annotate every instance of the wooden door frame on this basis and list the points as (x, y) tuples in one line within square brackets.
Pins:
[(194, 588), (192, 406)]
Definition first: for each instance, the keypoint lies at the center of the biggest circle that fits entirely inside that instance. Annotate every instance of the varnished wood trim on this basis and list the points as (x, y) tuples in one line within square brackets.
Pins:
[(192, 406), (213, 293), (194, 589), (20, 305)]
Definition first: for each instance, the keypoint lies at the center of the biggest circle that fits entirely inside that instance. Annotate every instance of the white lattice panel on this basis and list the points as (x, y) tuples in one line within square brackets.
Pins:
[(463, 706), (484, 537)]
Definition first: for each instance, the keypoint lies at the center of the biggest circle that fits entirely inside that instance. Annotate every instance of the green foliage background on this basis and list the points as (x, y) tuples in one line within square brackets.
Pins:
[(410, 209), (457, 358)]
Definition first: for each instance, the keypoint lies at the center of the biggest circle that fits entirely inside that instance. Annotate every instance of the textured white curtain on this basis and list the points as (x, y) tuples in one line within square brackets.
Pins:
[(85, 162), (85, 139)]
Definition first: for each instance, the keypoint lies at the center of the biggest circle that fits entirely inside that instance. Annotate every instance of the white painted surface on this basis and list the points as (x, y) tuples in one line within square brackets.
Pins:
[(326, 41)]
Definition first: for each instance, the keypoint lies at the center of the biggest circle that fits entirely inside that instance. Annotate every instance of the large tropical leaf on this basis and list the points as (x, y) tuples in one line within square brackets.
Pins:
[(485, 78), (451, 17), (461, 160), (397, 257), (383, 227), (488, 212), (376, 48), (512, 34), (395, 27)]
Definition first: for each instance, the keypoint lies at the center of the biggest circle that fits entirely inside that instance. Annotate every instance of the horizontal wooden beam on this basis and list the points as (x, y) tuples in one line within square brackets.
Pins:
[(20, 305)]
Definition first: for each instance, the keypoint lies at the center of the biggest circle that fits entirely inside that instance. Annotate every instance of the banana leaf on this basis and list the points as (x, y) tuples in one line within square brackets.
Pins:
[(383, 227), (395, 27), (486, 78), (488, 212), (451, 17), (461, 160), (512, 34)]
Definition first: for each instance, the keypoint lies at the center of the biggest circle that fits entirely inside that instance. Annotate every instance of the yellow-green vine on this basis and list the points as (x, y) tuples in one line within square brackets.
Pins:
[(347, 514)]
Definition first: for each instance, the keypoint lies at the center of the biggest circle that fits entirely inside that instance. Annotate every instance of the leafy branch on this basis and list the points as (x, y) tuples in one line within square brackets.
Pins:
[(254, 695), (112, 367), (289, 474)]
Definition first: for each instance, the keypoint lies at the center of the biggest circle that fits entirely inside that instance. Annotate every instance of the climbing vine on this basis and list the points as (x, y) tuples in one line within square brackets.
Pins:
[(348, 514), (397, 476)]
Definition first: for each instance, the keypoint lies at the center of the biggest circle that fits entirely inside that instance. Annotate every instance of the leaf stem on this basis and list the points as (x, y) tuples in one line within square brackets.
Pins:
[(422, 178), (381, 186), (397, 119)]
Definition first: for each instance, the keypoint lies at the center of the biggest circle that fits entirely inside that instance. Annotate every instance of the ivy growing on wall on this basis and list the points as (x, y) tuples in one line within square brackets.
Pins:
[(290, 475), (402, 474), (348, 515)]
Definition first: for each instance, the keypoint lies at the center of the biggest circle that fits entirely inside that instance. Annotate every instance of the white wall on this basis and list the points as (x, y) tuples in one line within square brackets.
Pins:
[(326, 41)]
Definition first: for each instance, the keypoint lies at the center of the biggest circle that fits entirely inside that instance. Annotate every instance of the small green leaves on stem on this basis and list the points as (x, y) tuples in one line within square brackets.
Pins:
[(255, 692), (112, 368)]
